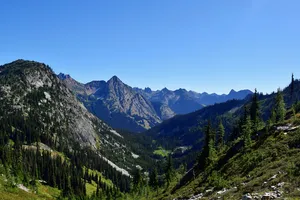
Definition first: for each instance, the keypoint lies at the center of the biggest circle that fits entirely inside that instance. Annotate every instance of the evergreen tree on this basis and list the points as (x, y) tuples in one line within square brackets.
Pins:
[(221, 135), (208, 153), (153, 182), (280, 107), (137, 180), (182, 168), (255, 112), (169, 171), (246, 133), (208, 133), (292, 88), (294, 112), (212, 155), (272, 119)]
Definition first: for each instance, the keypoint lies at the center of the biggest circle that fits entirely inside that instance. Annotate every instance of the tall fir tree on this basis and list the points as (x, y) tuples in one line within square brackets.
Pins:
[(272, 119), (212, 154), (169, 171), (292, 88), (208, 153), (220, 135), (153, 179), (137, 180), (280, 107), (255, 111), (246, 133)]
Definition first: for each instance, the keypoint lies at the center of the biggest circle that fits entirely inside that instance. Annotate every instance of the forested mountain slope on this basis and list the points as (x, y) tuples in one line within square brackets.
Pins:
[(259, 159), (48, 135)]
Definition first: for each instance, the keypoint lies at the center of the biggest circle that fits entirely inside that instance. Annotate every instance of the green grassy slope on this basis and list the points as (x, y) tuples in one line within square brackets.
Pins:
[(271, 165)]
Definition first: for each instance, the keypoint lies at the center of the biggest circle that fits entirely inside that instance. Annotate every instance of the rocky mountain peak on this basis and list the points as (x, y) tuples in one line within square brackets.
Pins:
[(114, 79), (148, 90), (165, 90), (232, 91), (63, 76), (181, 91)]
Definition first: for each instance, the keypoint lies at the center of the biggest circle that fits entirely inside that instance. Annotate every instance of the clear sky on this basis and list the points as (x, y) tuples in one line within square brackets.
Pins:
[(209, 45)]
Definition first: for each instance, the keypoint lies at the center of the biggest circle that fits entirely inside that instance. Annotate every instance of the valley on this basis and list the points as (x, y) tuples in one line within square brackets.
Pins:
[(57, 141)]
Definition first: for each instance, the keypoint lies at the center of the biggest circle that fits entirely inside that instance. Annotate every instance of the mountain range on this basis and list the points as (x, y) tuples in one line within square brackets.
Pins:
[(137, 110), (52, 146)]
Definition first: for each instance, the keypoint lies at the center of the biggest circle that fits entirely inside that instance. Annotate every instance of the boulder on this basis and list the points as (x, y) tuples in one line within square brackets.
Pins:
[(247, 197)]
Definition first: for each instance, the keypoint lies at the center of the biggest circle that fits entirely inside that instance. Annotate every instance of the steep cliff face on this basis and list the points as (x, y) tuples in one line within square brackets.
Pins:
[(116, 103)]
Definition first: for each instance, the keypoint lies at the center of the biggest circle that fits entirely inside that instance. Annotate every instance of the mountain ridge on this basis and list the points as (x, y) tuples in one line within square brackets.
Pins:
[(136, 109)]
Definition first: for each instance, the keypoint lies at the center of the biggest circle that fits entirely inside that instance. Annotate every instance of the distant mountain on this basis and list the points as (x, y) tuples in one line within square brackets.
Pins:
[(182, 101), (183, 131), (135, 109), (118, 104)]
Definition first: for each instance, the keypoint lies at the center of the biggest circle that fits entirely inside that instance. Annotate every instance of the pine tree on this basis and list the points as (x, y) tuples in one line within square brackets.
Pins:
[(137, 180), (292, 88), (169, 171), (208, 133), (208, 152), (221, 135), (254, 111), (294, 112), (212, 152), (272, 119), (280, 107), (246, 133), (153, 182)]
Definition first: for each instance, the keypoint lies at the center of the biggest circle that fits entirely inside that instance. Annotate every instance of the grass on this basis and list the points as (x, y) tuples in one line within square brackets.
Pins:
[(108, 182), (161, 152), (90, 188), (274, 153), (14, 193)]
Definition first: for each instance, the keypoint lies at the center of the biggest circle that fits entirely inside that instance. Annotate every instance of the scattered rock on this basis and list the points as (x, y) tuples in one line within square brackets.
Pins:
[(274, 188), (265, 183), (42, 181), (196, 197), (22, 187), (280, 184), (247, 197), (288, 127), (273, 177), (209, 190), (222, 191)]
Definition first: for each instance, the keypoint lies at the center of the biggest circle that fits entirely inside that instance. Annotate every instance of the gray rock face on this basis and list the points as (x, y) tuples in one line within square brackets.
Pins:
[(55, 100), (120, 98), (32, 88), (117, 103)]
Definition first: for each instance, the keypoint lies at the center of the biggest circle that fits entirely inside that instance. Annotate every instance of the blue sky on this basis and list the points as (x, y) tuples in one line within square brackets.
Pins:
[(210, 46)]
